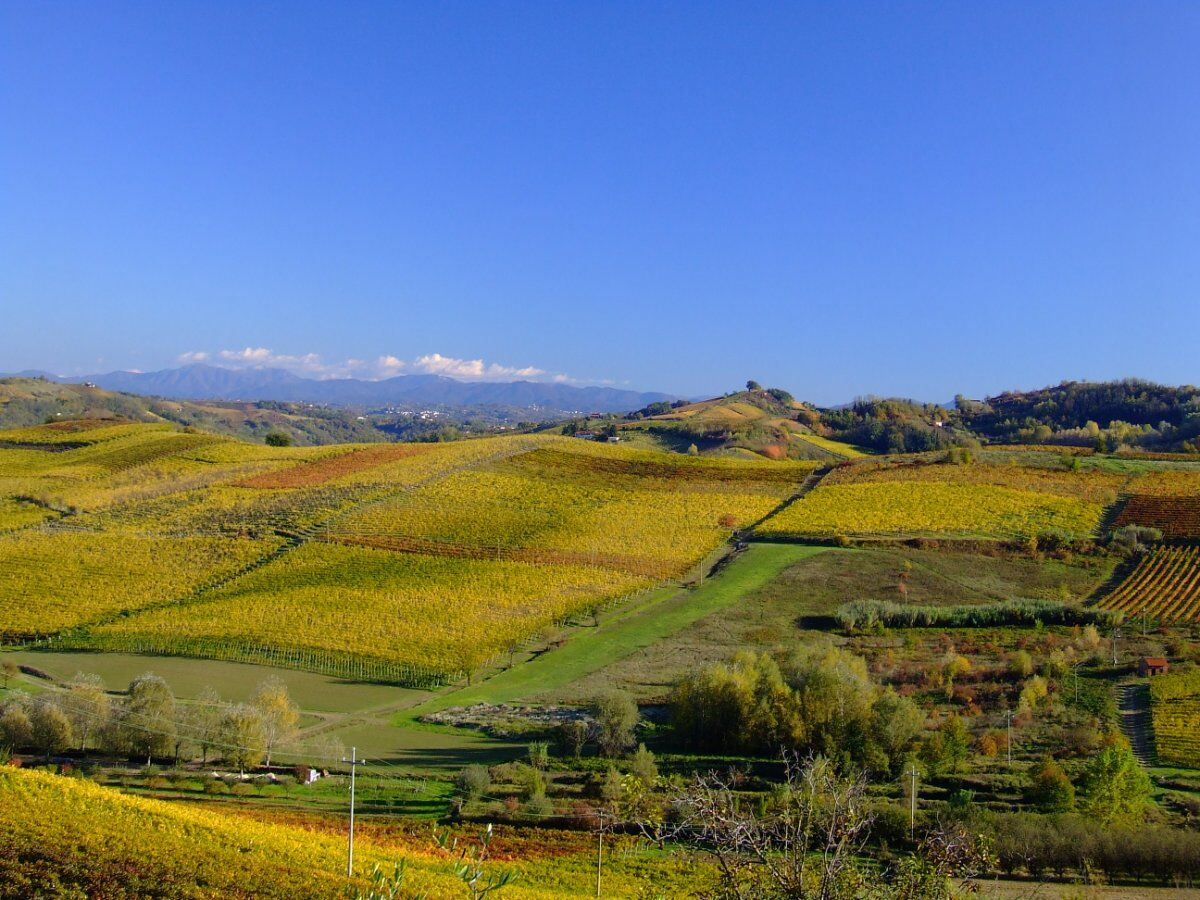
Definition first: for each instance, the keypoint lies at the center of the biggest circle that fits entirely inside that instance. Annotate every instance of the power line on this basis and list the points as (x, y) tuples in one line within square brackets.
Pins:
[(125, 721)]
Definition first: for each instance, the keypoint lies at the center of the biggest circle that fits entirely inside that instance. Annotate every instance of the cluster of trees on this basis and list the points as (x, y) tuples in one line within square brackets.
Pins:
[(805, 839), (659, 408), (613, 723), (895, 426), (605, 428), (1039, 845), (1106, 415), (817, 699), (1072, 404), (1113, 786), (611, 726), (147, 721), (864, 615)]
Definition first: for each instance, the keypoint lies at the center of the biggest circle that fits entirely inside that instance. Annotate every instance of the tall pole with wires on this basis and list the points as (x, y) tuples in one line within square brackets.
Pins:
[(355, 762), (599, 850), (1008, 716), (912, 804)]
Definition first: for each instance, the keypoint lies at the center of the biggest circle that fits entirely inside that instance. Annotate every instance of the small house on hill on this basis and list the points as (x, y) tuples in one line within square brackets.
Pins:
[(1149, 666)]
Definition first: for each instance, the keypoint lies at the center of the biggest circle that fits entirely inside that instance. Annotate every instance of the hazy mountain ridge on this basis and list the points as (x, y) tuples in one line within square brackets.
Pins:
[(204, 382)]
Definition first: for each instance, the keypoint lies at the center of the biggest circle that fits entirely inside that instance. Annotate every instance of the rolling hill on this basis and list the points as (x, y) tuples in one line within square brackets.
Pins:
[(32, 401), (753, 422)]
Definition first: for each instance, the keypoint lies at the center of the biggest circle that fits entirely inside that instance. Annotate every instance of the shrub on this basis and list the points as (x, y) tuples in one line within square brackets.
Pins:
[(616, 718), (612, 787), (1050, 789), (539, 754), (643, 767), (1133, 538), (539, 805), (573, 737), (532, 781), (473, 782)]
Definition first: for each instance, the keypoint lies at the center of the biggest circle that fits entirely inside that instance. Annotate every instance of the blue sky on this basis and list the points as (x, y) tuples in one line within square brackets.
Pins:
[(893, 198)]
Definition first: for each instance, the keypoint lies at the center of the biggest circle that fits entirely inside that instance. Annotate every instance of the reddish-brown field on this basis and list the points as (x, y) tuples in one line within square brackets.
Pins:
[(321, 471)]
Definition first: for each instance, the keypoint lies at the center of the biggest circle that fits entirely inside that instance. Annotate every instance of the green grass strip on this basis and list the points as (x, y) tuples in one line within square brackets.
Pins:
[(590, 649)]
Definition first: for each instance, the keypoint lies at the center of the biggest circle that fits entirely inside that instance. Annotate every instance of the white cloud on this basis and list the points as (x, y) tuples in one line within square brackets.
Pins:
[(309, 364), (387, 366), (261, 356), (471, 369), (312, 365)]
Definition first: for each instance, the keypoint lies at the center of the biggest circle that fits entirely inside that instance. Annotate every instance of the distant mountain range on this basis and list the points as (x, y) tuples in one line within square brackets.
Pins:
[(203, 382)]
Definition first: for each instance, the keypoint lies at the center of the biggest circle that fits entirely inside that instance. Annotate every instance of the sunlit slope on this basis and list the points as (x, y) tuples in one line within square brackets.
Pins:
[(922, 497), (412, 563), (69, 837), (768, 423)]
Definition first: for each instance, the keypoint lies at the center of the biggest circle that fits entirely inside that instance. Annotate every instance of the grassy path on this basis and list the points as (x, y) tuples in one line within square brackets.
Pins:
[(660, 615)]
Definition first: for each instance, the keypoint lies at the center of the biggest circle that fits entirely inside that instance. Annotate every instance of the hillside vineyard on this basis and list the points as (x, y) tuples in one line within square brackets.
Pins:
[(413, 564)]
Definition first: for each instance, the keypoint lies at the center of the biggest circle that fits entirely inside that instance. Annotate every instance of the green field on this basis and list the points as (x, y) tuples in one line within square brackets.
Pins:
[(233, 681)]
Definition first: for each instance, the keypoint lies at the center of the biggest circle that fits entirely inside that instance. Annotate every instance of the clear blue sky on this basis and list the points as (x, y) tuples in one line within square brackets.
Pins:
[(896, 198)]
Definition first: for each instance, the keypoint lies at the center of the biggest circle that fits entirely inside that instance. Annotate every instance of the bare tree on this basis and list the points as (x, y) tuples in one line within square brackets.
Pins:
[(801, 845)]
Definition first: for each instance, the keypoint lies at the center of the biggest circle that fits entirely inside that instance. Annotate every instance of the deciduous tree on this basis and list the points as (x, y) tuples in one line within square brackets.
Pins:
[(278, 713), (242, 737), (87, 706), (1115, 786), (147, 717), (616, 718)]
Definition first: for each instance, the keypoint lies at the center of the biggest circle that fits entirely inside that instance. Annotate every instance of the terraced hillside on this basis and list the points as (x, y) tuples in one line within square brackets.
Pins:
[(1165, 585), (1175, 705), (404, 563)]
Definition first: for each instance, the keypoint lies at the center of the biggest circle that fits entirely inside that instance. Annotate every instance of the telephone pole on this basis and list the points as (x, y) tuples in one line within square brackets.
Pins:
[(355, 762), (912, 804), (599, 850), (1008, 715), (1116, 633)]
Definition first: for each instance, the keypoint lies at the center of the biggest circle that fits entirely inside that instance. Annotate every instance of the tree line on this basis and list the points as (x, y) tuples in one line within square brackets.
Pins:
[(147, 722)]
